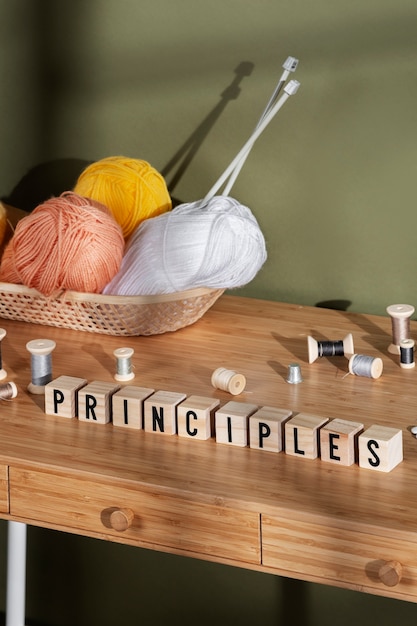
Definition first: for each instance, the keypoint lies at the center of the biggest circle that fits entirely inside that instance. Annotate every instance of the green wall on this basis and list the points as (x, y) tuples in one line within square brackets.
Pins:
[(332, 181)]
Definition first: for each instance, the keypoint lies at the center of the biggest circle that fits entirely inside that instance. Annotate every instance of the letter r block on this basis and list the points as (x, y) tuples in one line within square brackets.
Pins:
[(61, 396), (380, 448), (301, 435), (266, 428), (94, 402), (338, 441), (195, 417)]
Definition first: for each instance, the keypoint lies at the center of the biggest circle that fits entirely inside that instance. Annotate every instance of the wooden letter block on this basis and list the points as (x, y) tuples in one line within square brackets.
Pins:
[(266, 428), (301, 435), (94, 404), (195, 417), (127, 406), (380, 448), (61, 397), (231, 423), (160, 412), (338, 441)]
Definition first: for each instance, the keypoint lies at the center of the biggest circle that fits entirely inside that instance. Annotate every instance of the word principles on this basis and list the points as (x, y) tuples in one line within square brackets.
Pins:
[(236, 423)]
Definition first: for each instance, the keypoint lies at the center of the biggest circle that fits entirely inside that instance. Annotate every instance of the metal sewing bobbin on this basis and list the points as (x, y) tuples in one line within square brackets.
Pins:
[(3, 373), (400, 323), (363, 365), (8, 391), (41, 363), (407, 353), (316, 349), (123, 364), (228, 380)]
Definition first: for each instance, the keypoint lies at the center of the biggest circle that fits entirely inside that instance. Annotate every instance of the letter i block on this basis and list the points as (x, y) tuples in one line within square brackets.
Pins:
[(94, 402), (61, 396), (338, 441), (160, 412), (266, 428), (127, 406), (195, 417), (301, 435), (380, 448), (231, 422)]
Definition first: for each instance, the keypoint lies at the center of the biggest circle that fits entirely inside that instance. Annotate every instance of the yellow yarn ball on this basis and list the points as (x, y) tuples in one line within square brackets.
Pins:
[(131, 189)]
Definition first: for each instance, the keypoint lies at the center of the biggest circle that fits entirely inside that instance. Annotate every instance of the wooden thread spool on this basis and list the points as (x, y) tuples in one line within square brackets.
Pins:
[(123, 364), (400, 322), (8, 391), (41, 362), (368, 366), (228, 380), (3, 373), (407, 353), (316, 349)]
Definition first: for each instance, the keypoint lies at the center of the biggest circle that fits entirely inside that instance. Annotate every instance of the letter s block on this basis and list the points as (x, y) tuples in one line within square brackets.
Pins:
[(380, 448)]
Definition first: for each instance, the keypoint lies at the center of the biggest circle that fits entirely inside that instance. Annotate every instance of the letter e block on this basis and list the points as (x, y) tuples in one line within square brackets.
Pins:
[(61, 397), (127, 406), (380, 448), (195, 417), (338, 441), (160, 412), (94, 402), (301, 435), (231, 423), (266, 428)]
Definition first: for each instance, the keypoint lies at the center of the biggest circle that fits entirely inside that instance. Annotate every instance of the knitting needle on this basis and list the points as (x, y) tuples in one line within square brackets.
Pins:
[(289, 90)]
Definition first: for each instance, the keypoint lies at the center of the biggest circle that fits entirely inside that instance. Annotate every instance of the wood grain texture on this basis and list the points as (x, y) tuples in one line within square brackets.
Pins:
[(215, 482)]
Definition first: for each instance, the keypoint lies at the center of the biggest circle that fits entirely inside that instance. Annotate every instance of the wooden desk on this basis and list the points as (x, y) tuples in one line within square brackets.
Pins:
[(301, 518)]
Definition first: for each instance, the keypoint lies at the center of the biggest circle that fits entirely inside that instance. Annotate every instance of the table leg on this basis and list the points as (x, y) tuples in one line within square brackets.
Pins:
[(16, 574)]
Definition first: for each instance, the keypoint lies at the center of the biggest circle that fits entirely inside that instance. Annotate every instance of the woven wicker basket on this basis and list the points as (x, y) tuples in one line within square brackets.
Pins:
[(110, 315)]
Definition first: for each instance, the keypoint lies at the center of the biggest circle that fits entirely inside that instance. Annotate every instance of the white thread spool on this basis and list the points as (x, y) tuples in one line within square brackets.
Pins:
[(41, 362), (228, 380), (3, 373), (8, 391), (400, 322), (123, 364), (363, 365), (407, 353), (316, 348)]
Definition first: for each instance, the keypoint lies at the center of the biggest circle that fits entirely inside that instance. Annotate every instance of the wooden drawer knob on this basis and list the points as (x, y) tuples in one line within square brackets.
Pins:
[(121, 519), (390, 573)]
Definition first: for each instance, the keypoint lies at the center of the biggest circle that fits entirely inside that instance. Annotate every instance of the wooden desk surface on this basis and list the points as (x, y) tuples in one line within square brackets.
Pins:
[(276, 513)]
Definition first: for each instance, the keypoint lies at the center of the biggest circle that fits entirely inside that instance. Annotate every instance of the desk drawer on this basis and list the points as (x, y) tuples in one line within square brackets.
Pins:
[(144, 517), (342, 557), (4, 489)]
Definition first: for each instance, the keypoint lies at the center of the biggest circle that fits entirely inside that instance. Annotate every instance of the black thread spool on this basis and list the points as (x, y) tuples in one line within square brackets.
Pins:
[(407, 353), (317, 349)]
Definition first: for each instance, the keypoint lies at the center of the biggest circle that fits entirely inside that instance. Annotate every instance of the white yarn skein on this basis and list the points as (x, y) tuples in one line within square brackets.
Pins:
[(215, 243)]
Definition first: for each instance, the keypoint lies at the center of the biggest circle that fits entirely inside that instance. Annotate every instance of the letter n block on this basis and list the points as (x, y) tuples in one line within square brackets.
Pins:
[(94, 402), (301, 435), (380, 448), (266, 428), (195, 417), (160, 412), (338, 441), (231, 423), (61, 396), (127, 406)]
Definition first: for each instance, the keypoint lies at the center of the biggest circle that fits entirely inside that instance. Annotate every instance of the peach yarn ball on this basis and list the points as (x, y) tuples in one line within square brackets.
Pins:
[(66, 243), (132, 189)]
